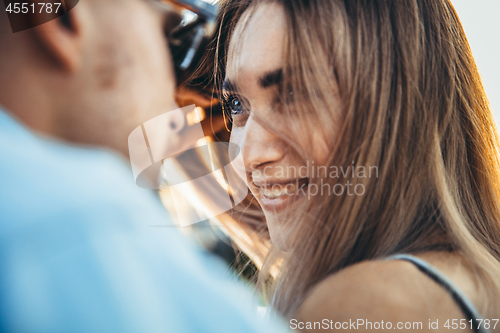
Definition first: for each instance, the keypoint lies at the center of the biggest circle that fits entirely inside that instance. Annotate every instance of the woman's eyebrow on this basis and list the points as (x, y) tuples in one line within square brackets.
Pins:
[(267, 80), (271, 78)]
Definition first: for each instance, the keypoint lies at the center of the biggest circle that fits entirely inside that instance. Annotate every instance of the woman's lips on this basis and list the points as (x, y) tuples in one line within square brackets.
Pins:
[(276, 196)]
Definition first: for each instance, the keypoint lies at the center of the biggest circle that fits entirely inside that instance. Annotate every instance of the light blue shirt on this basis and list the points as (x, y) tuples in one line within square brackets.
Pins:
[(78, 252)]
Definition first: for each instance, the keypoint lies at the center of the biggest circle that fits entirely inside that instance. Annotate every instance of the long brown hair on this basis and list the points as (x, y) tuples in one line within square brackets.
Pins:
[(402, 76)]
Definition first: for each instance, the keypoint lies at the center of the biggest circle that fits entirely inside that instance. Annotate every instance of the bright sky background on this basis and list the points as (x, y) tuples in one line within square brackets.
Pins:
[(481, 22)]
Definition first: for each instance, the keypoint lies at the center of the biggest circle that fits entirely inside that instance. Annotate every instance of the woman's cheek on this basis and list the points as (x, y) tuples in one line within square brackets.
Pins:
[(236, 153)]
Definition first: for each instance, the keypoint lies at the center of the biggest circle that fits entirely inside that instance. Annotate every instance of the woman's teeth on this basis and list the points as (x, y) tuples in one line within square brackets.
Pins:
[(279, 190)]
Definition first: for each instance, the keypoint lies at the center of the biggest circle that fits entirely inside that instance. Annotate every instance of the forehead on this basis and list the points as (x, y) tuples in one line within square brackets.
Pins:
[(257, 43)]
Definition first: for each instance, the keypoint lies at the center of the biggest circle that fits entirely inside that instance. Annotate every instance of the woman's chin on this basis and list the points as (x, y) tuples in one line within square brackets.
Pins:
[(280, 233)]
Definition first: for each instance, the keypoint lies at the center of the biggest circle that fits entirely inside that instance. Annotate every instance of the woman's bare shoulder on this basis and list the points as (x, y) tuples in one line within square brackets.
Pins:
[(374, 291)]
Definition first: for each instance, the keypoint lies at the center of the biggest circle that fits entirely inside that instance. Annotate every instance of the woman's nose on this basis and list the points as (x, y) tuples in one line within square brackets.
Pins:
[(259, 145)]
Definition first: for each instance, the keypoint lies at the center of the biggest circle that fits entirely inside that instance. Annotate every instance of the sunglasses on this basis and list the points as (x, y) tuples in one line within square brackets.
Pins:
[(190, 37)]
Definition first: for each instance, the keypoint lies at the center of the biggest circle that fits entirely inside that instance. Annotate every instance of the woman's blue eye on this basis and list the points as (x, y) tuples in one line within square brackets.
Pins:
[(236, 106)]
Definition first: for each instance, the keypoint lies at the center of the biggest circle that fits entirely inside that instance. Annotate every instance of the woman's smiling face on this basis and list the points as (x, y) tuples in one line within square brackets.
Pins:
[(275, 172)]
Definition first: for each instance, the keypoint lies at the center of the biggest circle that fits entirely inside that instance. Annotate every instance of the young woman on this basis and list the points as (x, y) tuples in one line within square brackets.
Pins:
[(369, 145)]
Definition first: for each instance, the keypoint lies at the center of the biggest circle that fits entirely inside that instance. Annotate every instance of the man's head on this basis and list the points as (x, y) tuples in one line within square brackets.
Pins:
[(93, 77)]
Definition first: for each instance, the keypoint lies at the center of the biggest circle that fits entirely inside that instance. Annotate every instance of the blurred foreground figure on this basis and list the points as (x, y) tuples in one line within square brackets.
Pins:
[(83, 248)]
